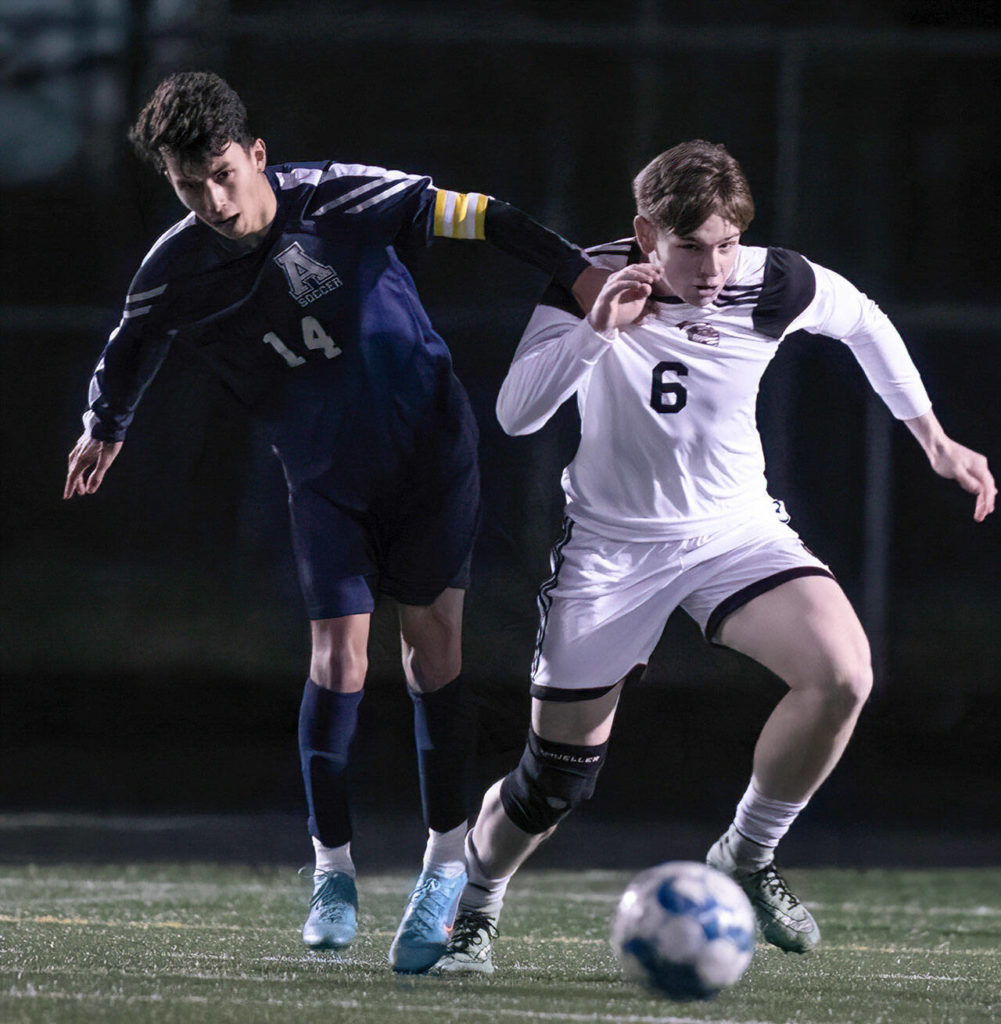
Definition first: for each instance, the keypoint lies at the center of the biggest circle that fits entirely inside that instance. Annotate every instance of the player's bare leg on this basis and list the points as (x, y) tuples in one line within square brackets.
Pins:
[(431, 645), (497, 846), (327, 721), (431, 641), (807, 633)]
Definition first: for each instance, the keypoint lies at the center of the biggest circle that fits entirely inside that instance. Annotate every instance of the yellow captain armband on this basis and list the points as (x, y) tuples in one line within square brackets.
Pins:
[(460, 214)]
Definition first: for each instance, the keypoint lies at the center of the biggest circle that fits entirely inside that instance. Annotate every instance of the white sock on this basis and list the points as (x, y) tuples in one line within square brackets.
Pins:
[(759, 824), (332, 858), (481, 892), (444, 852)]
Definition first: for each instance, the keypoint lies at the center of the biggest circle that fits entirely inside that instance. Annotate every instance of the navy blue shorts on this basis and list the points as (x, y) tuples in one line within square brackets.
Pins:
[(410, 547)]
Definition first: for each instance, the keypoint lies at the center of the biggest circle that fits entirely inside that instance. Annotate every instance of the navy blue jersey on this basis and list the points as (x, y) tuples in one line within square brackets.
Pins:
[(318, 330)]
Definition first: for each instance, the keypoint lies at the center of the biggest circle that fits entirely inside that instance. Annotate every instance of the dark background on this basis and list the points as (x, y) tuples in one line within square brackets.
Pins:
[(154, 644)]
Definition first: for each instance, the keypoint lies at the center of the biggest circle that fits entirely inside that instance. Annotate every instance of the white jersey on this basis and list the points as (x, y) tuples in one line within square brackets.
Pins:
[(669, 442)]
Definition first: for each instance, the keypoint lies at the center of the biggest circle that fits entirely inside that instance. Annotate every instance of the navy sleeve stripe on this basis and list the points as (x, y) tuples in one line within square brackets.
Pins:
[(788, 288), (738, 297), (623, 248)]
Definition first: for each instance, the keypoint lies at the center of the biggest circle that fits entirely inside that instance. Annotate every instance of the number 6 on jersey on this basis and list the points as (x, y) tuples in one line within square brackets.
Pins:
[(668, 396)]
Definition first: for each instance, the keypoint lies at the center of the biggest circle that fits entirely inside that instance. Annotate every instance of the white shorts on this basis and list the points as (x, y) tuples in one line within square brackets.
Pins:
[(606, 604)]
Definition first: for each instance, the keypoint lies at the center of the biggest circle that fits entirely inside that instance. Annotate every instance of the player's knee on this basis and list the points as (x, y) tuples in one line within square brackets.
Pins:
[(855, 682), (339, 668), (432, 658), (550, 781), (431, 669), (847, 685), (431, 643)]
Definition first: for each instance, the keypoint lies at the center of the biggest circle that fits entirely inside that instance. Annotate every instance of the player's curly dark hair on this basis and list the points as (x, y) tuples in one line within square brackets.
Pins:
[(678, 190), (194, 115)]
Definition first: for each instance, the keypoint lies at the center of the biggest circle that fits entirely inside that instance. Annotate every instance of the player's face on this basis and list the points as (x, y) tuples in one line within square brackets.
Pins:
[(229, 192), (696, 266)]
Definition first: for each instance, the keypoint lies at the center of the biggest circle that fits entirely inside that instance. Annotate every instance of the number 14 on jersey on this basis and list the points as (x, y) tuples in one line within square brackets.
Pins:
[(313, 337)]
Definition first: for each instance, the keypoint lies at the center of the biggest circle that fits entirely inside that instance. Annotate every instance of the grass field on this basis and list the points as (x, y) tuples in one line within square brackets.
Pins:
[(194, 943)]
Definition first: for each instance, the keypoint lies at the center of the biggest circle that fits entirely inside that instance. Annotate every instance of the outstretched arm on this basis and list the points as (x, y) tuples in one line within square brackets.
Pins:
[(955, 462), (442, 213), (127, 365), (841, 311), (559, 348), (88, 462)]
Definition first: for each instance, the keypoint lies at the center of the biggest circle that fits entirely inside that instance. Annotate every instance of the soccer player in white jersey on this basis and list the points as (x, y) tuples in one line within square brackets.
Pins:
[(666, 507), (286, 282)]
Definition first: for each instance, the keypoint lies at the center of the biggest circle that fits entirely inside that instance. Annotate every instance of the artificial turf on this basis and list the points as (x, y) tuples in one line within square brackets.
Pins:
[(185, 944)]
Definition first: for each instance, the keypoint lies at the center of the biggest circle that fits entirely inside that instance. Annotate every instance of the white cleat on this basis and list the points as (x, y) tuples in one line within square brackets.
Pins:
[(782, 918), (470, 949)]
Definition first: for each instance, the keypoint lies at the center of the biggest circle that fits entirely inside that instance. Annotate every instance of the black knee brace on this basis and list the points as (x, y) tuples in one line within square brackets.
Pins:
[(550, 781)]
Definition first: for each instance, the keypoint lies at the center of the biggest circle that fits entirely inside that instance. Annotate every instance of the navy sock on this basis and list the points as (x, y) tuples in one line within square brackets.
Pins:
[(444, 735), (327, 721)]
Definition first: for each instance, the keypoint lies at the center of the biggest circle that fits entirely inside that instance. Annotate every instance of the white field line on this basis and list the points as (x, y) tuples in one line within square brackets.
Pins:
[(919, 977), (527, 940), (148, 891), (151, 890), (404, 1009), (89, 922), (148, 888), (847, 908), (565, 886), (297, 973), (905, 908), (912, 909), (891, 950)]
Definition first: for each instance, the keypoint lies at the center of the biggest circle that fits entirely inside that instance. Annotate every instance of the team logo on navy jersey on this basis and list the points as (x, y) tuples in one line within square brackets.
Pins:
[(697, 330), (308, 279)]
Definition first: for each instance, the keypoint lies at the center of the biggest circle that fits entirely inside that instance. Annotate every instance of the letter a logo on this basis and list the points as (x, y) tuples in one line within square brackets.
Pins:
[(308, 279)]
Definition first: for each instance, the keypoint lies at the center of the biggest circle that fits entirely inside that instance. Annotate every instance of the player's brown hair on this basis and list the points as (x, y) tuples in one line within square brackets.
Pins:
[(194, 115), (678, 190)]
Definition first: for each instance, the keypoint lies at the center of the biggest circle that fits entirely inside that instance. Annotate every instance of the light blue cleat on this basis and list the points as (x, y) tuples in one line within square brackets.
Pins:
[(333, 911), (423, 935)]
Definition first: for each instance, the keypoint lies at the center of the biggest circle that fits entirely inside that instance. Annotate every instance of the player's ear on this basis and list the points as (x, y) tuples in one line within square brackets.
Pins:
[(646, 233), (259, 154)]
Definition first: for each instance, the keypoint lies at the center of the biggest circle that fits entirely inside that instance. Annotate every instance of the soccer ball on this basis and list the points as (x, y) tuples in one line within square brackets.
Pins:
[(684, 929)]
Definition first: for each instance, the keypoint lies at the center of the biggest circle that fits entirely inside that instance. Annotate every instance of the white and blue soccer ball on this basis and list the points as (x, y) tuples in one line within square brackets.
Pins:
[(684, 929)]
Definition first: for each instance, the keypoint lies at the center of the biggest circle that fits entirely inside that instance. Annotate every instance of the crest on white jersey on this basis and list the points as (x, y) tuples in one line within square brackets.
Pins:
[(700, 331), (308, 279)]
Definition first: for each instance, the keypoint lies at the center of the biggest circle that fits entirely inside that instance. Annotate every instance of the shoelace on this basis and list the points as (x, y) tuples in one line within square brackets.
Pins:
[(776, 884), (467, 930), (330, 901), (427, 902)]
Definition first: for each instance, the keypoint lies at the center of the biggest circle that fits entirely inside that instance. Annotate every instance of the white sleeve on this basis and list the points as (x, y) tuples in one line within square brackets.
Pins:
[(840, 310), (555, 354)]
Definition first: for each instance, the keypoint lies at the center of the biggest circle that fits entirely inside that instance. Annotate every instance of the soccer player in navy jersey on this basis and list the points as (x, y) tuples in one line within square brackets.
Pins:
[(667, 507), (285, 280)]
